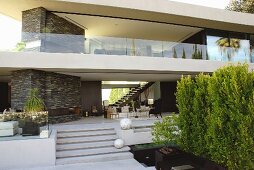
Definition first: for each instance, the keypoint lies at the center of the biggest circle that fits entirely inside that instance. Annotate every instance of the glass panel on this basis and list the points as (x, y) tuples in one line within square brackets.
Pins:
[(240, 47), (105, 45), (217, 48), (252, 48), (138, 47)]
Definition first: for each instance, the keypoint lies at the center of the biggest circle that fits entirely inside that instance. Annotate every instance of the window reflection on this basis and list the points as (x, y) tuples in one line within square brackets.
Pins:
[(252, 48), (228, 49)]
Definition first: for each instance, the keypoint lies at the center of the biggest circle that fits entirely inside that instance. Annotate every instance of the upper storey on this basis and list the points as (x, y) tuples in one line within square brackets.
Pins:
[(161, 11)]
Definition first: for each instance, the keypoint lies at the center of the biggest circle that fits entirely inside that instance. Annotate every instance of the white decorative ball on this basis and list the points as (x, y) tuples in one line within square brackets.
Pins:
[(125, 124), (118, 143)]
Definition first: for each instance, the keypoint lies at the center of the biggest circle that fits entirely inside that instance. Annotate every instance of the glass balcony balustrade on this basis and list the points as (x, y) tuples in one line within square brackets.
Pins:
[(241, 51)]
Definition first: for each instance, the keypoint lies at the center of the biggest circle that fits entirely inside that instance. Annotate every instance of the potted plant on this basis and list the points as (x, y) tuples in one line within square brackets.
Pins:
[(33, 104)]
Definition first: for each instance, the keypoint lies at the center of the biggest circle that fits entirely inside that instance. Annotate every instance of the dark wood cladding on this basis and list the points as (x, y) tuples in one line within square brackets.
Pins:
[(91, 95), (57, 90), (4, 103), (168, 98)]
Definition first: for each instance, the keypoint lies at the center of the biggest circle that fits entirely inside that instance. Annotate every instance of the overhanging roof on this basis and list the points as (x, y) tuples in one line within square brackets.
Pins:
[(150, 10)]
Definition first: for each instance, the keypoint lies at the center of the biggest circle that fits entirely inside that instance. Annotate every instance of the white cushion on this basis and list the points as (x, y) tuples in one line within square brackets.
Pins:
[(9, 125)]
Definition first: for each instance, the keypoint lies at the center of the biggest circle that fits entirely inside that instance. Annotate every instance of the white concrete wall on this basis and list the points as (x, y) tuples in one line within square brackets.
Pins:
[(132, 138), (28, 153), (87, 62), (150, 93)]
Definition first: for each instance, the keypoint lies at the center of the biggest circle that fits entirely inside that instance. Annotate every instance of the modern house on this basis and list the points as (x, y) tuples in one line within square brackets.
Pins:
[(71, 46)]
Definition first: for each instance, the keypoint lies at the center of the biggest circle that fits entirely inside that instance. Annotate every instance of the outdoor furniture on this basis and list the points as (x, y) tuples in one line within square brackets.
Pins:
[(125, 109), (156, 110), (75, 111), (8, 128), (112, 113), (94, 111)]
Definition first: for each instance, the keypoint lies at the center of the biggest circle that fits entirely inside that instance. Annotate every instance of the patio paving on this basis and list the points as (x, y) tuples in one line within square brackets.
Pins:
[(128, 164)]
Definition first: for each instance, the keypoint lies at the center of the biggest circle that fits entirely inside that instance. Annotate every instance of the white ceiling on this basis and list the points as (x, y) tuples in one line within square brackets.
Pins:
[(113, 27)]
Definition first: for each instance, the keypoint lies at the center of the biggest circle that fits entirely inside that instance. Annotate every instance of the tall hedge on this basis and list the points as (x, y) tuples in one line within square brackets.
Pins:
[(185, 89), (216, 116), (230, 135), (193, 108), (201, 107)]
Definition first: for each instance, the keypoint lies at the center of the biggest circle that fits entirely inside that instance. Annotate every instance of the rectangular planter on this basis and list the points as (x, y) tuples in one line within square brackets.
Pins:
[(145, 155), (178, 158)]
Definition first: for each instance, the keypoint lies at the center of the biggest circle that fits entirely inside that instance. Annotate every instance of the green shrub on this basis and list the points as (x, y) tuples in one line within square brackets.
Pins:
[(34, 103), (184, 97), (230, 134), (41, 118), (201, 107), (166, 131)]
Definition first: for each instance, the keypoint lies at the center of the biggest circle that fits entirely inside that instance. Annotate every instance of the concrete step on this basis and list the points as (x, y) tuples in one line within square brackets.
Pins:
[(82, 130), (95, 158), (143, 130), (86, 139), (86, 133), (74, 146), (87, 152)]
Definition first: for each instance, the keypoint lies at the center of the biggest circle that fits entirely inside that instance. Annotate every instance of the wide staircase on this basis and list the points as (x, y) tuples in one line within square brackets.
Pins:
[(88, 145), (133, 93)]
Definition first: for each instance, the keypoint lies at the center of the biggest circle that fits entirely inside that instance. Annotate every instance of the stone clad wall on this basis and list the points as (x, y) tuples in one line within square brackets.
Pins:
[(62, 91), (57, 90)]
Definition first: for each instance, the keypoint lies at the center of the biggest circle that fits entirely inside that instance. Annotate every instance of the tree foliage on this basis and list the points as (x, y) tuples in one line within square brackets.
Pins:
[(230, 137), (241, 6), (117, 94), (197, 54), (175, 53)]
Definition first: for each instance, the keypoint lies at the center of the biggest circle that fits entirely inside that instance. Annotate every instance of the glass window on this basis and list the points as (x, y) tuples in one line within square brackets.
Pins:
[(233, 48), (217, 48)]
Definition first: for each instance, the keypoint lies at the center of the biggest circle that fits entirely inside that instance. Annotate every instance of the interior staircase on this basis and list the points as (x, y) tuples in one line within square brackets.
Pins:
[(133, 93), (88, 145)]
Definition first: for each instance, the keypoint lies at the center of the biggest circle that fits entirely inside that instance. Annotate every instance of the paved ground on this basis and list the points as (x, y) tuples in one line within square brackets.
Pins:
[(129, 164)]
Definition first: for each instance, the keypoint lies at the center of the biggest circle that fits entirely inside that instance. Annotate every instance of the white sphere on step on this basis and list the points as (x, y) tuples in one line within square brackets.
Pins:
[(125, 124), (118, 143)]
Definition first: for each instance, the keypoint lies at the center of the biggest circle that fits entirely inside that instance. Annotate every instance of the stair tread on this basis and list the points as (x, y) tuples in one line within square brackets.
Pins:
[(86, 139), (84, 145), (86, 152), (82, 130), (95, 158), (86, 133)]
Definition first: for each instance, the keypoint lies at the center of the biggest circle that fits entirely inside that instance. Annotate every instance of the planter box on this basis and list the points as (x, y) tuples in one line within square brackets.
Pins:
[(178, 158), (145, 155), (30, 129)]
